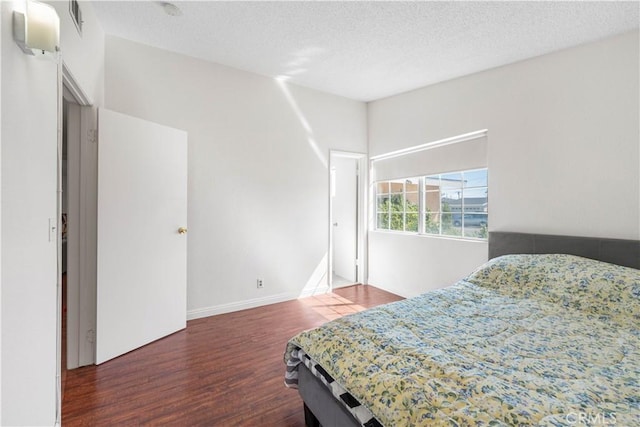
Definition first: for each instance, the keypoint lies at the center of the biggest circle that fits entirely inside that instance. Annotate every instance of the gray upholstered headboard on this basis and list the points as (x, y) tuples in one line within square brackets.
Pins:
[(615, 251)]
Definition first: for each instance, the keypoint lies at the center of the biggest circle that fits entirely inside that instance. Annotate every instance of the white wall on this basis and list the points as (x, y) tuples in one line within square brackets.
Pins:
[(409, 265), (83, 54), (29, 140), (258, 178), (564, 154), (28, 177)]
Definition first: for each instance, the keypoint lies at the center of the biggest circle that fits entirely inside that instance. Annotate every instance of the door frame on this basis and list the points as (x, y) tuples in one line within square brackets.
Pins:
[(362, 208), (80, 295)]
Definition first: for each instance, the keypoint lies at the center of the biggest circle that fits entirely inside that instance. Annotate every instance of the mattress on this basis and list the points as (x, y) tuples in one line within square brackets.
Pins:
[(544, 340)]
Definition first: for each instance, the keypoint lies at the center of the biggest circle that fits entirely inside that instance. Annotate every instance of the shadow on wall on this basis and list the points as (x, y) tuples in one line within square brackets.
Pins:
[(281, 81), (317, 283)]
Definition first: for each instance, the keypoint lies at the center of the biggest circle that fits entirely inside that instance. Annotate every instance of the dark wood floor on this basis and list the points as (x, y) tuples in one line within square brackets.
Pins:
[(224, 370)]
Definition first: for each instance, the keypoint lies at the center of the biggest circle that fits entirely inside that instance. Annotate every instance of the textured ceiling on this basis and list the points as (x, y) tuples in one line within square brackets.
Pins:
[(366, 50)]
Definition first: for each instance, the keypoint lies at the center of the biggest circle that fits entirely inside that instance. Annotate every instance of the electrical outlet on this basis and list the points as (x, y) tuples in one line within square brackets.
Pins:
[(260, 284)]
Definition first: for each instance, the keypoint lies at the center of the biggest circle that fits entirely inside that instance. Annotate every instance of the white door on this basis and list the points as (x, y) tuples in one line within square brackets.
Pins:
[(344, 216), (142, 256)]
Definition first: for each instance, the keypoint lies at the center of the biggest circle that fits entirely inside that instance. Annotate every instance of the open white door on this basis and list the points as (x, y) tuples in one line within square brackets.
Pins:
[(344, 215), (142, 256)]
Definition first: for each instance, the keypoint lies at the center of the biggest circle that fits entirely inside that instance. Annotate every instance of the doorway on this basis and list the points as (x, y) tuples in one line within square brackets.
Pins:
[(77, 148), (347, 218), (70, 232)]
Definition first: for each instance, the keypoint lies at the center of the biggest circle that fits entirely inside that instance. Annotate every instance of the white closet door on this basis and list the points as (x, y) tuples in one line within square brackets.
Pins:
[(142, 255)]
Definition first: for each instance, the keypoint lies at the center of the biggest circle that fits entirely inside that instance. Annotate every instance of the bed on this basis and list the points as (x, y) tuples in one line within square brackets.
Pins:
[(543, 334)]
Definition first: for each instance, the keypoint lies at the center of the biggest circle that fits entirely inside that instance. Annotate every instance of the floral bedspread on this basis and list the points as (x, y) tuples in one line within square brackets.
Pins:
[(543, 340)]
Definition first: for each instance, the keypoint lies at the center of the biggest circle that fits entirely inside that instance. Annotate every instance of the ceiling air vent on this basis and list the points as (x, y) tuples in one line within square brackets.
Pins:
[(76, 14)]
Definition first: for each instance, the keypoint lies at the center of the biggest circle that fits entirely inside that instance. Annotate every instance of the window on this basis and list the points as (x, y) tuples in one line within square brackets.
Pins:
[(456, 204), (450, 204), (397, 205)]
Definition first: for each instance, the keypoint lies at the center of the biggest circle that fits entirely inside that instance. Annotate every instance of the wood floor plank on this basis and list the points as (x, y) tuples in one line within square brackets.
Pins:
[(224, 370)]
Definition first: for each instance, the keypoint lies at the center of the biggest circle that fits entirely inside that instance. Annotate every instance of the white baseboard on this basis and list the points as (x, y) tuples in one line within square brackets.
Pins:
[(198, 313), (237, 306)]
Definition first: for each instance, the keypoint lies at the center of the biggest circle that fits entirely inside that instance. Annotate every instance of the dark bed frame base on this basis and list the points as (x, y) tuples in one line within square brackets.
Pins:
[(310, 420), (322, 409)]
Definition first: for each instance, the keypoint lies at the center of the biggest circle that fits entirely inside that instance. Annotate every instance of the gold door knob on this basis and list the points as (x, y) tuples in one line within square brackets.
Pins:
[(182, 230)]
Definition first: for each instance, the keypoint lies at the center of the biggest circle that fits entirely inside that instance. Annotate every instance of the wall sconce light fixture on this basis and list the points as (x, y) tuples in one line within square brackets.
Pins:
[(37, 31)]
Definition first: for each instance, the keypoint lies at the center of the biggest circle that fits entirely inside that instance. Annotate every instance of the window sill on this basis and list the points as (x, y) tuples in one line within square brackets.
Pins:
[(432, 236)]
